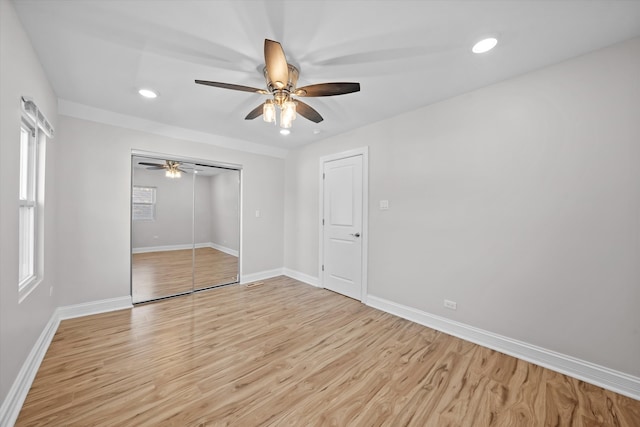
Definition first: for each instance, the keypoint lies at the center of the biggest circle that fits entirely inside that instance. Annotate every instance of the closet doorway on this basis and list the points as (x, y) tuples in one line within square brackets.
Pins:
[(185, 226)]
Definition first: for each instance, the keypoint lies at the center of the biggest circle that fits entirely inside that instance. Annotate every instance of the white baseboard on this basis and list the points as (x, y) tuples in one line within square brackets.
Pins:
[(94, 307), (261, 275), (302, 277), (601, 376), (10, 408), (12, 404), (224, 249), (165, 248), (268, 274), (170, 248)]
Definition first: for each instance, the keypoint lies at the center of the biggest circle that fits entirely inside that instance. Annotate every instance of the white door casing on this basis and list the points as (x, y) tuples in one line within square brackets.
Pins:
[(343, 228)]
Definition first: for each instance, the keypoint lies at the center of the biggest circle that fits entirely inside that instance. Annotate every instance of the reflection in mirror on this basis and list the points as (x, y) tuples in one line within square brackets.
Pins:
[(184, 227), (217, 227), (161, 230)]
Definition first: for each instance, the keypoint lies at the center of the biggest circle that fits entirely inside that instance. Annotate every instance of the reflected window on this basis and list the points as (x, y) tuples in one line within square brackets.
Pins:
[(143, 203)]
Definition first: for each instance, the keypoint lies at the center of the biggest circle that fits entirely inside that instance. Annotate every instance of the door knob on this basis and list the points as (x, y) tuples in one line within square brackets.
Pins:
[(355, 235)]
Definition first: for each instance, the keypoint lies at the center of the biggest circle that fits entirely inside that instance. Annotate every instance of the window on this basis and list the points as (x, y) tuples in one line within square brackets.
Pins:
[(34, 131), (143, 203), (28, 176), (29, 210)]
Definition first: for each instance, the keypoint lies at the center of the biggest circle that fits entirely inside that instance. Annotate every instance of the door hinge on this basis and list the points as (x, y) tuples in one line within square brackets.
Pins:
[(322, 267), (322, 221), (322, 175)]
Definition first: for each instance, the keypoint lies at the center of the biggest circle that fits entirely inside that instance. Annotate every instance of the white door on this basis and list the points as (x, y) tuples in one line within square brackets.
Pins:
[(342, 230)]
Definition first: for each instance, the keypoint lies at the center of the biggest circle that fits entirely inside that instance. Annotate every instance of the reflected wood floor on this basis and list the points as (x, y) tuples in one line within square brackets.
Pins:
[(285, 353), (160, 274)]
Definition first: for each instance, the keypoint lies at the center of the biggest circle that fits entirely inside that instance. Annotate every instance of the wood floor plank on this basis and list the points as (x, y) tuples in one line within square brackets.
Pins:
[(285, 353)]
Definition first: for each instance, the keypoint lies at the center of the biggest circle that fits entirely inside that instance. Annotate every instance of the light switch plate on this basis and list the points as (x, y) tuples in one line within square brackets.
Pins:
[(384, 205)]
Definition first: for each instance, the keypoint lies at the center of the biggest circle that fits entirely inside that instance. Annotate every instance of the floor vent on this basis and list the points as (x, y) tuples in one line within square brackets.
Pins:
[(254, 284)]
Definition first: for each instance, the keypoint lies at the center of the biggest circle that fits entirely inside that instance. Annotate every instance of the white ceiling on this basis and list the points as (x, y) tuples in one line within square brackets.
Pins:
[(405, 54)]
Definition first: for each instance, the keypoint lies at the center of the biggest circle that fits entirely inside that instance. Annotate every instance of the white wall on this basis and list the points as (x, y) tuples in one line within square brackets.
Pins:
[(225, 204), (174, 210), (519, 201), (93, 215), (21, 74)]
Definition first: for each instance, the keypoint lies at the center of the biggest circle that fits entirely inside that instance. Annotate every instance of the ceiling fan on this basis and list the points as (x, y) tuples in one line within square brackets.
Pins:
[(282, 78), (171, 167)]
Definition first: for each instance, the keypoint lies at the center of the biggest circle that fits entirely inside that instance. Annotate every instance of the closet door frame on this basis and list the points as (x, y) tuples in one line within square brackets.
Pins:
[(193, 160)]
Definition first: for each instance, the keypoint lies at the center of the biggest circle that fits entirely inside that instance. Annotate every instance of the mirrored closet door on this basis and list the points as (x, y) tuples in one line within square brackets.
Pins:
[(185, 227), (217, 231)]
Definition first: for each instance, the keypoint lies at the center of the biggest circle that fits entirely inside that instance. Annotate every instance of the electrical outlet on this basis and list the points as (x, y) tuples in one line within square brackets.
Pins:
[(452, 305)]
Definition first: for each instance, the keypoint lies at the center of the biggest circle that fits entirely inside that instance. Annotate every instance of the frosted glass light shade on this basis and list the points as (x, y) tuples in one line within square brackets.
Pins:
[(288, 114), (269, 111)]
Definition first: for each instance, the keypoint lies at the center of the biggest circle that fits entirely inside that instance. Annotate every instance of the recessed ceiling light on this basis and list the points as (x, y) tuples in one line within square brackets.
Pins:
[(316, 131), (148, 93), (484, 45), (285, 131)]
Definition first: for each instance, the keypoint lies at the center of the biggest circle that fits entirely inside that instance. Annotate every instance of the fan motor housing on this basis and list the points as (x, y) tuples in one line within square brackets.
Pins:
[(291, 82)]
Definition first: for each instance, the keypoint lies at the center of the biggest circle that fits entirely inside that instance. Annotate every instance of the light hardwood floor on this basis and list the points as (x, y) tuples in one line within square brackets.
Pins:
[(285, 353), (160, 274)]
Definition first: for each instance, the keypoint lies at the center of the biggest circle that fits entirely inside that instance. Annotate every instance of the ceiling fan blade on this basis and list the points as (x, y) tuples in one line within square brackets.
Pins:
[(256, 112), (232, 86), (276, 64), (150, 164), (156, 168), (328, 89), (307, 112)]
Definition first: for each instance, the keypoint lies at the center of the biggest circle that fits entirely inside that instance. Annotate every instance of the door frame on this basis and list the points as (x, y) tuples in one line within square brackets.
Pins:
[(179, 158), (364, 152)]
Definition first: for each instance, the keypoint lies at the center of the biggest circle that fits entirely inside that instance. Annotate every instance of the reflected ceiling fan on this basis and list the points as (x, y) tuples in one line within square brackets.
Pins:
[(282, 78), (171, 167)]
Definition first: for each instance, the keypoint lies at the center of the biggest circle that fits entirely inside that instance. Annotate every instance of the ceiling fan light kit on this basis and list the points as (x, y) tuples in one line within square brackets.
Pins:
[(281, 80), (172, 173), (171, 168)]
